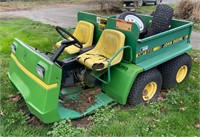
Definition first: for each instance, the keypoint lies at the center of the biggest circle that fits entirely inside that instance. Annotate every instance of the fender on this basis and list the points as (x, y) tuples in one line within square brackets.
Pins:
[(122, 77)]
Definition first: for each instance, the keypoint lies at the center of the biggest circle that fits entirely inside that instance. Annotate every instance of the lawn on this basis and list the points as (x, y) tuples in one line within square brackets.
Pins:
[(176, 113)]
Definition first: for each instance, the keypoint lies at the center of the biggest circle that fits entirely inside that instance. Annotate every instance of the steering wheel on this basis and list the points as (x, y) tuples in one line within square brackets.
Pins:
[(60, 30)]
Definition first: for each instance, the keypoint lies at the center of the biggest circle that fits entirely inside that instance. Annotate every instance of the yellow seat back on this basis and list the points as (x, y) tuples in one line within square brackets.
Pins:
[(110, 42), (84, 32), (108, 45)]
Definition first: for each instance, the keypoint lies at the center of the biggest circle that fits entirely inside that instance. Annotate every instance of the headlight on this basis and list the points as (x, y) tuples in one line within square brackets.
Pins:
[(40, 71), (13, 48)]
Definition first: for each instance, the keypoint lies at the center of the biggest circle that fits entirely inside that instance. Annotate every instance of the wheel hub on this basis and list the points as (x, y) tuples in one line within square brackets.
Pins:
[(149, 91), (181, 74), (136, 20)]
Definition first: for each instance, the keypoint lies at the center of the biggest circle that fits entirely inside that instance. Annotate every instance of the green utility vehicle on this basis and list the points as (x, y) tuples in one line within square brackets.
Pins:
[(118, 59)]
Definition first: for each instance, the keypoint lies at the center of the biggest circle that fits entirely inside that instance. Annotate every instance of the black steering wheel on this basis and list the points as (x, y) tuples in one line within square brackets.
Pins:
[(60, 30)]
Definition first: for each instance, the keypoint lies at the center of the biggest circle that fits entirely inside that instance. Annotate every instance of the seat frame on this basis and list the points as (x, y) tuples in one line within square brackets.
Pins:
[(98, 74)]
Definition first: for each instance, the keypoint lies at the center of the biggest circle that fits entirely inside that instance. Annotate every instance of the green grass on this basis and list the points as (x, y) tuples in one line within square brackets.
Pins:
[(175, 115), (34, 33), (37, 35)]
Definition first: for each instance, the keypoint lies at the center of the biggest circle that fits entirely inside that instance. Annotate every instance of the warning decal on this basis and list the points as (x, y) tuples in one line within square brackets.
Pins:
[(123, 25)]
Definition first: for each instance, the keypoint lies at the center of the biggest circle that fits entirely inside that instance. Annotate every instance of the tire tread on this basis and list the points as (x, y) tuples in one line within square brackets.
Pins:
[(170, 68), (141, 81), (161, 20)]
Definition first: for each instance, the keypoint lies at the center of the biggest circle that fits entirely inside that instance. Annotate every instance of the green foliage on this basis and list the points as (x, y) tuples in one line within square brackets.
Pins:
[(101, 119), (65, 128), (14, 118), (102, 116), (173, 98)]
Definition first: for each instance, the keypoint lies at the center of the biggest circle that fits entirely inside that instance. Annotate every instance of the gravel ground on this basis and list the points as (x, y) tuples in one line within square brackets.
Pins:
[(54, 15), (195, 40), (66, 16)]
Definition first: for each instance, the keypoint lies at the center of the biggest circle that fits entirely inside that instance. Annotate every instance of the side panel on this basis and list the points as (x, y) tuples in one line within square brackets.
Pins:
[(41, 95), (122, 78), (164, 43), (168, 55)]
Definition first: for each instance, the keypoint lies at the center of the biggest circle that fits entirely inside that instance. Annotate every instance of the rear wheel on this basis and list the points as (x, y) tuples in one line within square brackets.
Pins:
[(175, 71), (146, 87)]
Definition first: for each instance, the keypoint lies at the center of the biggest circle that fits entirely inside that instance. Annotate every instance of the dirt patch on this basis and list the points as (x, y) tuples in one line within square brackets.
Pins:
[(82, 122), (83, 102), (34, 121), (162, 95), (15, 98)]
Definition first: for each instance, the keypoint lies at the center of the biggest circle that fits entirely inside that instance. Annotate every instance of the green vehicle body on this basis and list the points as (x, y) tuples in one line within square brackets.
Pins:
[(42, 94)]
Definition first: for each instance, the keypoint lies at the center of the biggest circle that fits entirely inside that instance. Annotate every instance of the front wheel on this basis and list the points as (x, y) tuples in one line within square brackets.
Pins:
[(146, 87)]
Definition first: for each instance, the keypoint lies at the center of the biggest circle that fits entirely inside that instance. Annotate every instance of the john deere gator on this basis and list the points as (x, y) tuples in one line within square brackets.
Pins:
[(125, 59)]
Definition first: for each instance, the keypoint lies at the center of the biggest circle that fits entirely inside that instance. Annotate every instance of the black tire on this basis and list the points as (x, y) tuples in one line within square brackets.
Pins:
[(136, 95), (170, 69), (123, 16), (161, 20)]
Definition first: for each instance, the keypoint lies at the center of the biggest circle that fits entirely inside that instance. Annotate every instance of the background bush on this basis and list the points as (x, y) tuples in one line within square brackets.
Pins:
[(188, 10)]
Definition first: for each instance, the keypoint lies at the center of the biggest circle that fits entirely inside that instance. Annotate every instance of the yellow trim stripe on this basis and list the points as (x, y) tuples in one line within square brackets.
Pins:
[(32, 75), (161, 46)]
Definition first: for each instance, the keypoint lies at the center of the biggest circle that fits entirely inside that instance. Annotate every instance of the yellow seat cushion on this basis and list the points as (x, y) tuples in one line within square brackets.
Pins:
[(84, 32), (109, 43)]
